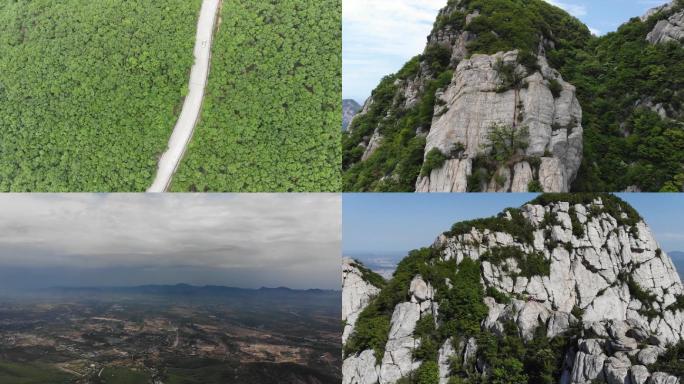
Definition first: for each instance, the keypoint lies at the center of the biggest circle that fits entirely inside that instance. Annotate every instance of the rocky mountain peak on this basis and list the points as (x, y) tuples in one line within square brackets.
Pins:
[(476, 80), (580, 276)]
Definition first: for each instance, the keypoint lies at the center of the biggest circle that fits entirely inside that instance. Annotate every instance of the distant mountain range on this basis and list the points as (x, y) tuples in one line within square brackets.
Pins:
[(349, 109), (187, 289)]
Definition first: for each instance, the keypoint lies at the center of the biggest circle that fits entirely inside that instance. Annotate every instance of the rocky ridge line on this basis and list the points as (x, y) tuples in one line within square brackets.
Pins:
[(607, 278)]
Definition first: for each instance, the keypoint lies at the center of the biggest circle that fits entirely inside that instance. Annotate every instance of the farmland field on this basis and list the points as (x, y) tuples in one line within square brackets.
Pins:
[(90, 90), (271, 113)]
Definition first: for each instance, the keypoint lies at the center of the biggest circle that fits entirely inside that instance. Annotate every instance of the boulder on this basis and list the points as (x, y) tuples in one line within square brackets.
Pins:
[(639, 374), (663, 378), (360, 369), (670, 29)]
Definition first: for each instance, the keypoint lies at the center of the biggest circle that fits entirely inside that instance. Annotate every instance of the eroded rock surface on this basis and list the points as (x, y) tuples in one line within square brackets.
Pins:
[(475, 102), (669, 29), (608, 283), (356, 294)]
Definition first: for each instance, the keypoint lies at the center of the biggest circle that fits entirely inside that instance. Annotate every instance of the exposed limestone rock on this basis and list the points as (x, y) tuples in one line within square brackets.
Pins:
[(470, 351), (373, 145), (653, 11), (522, 176), (552, 175), (670, 29), (639, 374), (360, 369), (588, 294), (421, 290), (475, 103), (559, 322), (451, 177), (398, 360), (650, 354), (616, 370), (349, 109), (663, 378), (446, 352), (587, 367), (356, 294)]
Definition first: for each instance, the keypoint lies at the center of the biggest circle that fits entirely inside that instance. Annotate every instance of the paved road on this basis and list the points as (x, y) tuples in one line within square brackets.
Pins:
[(192, 106)]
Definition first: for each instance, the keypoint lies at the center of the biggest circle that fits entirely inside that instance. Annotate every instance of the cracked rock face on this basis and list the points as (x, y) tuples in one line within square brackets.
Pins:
[(356, 294), (595, 261), (475, 102), (669, 29)]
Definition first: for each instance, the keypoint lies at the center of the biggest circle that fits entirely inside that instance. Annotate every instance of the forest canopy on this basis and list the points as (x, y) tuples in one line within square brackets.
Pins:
[(272, 112), (90, 91)]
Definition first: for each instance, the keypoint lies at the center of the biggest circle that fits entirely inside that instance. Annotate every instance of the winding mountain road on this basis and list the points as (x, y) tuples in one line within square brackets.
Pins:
[(192, 106)]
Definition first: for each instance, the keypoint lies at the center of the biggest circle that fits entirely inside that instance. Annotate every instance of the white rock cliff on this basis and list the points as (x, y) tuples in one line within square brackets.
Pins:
[(608, 280)]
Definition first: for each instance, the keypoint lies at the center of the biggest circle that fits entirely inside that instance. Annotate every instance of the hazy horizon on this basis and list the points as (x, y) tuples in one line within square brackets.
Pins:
[(246, 241)]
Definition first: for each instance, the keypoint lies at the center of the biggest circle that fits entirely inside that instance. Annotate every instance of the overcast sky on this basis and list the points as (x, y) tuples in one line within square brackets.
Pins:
[(381, 35), (248, 240)]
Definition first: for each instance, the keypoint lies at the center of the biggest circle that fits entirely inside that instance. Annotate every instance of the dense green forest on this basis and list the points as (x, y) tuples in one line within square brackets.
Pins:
[(617, 77), (625, 142), (272, 113), (90, 90)]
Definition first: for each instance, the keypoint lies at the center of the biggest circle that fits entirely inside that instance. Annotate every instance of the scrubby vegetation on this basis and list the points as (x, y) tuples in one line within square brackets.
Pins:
[(434, 160), (533, 19), (514, 361), (517, 226), (272, 112), (671, 362), (90, 91), (529, 264), (626, 143), (366, 274), (612, 205)]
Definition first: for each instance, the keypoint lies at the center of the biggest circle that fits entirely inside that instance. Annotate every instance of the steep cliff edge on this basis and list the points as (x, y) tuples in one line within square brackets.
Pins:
[(359, 286), (490, 91), (566, 289)]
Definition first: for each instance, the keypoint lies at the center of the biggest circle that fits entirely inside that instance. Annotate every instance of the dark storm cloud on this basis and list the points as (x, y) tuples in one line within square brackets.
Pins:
[(264, 239)]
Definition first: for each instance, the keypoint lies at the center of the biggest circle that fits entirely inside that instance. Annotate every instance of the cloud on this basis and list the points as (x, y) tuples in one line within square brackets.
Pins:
[(595, 31), (296, 235), (379, 36), (576, 10)]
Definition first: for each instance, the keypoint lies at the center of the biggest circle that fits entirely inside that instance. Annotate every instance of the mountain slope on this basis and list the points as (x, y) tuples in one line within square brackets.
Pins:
[(349, 109), (496, 102), (568, 288), (629, 84)]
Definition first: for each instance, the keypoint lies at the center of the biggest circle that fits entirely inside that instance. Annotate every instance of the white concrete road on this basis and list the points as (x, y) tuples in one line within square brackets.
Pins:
[(182, 132)]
